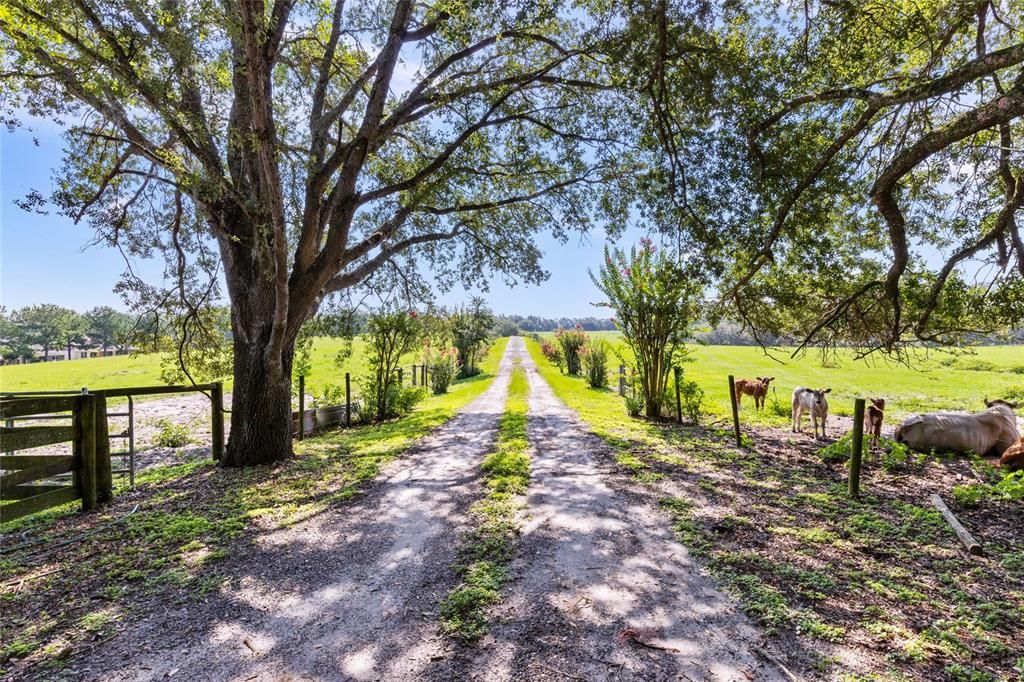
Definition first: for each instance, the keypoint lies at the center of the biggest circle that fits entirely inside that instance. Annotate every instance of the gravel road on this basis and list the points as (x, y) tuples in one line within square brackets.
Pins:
[(600, 588)]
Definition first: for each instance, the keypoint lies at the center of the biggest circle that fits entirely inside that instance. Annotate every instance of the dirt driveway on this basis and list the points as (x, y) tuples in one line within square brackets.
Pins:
[(600, 589)]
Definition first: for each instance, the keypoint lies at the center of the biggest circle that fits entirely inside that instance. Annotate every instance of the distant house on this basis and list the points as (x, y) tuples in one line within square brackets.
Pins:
[(61, 354)]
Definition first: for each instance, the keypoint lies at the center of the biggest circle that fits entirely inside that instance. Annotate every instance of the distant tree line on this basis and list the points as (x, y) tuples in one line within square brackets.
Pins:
[(46, 326), (725, 333), (508, 324)]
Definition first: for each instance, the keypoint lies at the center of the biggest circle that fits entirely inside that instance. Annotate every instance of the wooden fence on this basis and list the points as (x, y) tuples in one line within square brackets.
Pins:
[(28, 484), (31, 483)]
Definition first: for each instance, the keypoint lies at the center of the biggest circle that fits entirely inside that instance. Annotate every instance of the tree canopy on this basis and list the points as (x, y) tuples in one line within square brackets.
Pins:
[(849, 172), (842, 172), (299, 147)]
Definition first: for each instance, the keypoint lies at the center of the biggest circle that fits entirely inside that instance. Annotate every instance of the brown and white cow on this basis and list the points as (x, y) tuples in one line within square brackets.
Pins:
[(757, 387), (813, 401), (987, 433), (1013, 458), (873, 418)]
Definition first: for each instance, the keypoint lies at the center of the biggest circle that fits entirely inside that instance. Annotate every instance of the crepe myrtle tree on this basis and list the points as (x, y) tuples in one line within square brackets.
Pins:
[(296, 148), (656, 302)]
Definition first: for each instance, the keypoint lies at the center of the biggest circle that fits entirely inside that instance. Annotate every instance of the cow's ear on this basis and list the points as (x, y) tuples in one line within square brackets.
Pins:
[(1013, 405), (828, 390), (987, 403), (771, 379)]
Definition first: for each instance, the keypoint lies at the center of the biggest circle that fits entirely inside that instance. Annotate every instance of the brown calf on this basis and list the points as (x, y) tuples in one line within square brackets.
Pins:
[(873, 419), (757, 387), (1013, 458)]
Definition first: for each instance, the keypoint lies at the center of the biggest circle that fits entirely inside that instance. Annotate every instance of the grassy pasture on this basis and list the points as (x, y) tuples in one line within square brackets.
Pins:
[(144, 370), (937, 381)]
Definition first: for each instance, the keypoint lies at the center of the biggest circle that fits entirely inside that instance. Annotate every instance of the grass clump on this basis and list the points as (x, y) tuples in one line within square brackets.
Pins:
[(171, 435), (490, 545)]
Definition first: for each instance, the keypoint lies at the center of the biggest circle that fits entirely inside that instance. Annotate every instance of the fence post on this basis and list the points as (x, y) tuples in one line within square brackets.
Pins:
[(679, 405), (857, 445), (414, 374), (735, 410), (302, 405), (87, 461), (348, 400), (622, 380), (104, 472), (217, 421)]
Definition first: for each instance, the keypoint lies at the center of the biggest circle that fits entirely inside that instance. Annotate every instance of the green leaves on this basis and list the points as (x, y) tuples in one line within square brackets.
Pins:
[(656, 302)]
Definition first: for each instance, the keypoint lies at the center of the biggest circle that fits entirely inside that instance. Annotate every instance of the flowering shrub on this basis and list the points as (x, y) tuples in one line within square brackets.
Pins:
[(656, 301), (441, 364), (571, 341), (594, 356), (553, 353)]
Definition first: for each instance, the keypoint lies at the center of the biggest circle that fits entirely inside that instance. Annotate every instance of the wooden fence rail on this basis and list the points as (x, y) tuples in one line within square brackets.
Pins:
[(27, 484)]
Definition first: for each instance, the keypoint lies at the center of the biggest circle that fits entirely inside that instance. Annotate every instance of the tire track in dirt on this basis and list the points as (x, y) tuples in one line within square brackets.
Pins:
[(597, 556), (351, 594)]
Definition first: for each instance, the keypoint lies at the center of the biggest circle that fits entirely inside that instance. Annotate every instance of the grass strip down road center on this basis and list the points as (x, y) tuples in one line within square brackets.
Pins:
[(489, 547)]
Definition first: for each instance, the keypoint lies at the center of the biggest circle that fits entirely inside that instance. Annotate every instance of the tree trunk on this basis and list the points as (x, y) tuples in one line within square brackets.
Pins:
[(261, 406)]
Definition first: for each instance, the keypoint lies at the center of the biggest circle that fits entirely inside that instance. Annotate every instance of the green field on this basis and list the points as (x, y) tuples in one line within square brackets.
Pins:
[(938, 381), (144, 370)]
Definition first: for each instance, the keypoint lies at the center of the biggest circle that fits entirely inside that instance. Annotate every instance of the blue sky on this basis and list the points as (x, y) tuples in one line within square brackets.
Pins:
[(45, 258)]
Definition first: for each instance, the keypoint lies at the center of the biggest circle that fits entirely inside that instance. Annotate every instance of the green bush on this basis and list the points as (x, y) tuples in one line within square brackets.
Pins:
[(777, 408), (897, 456), (975, 365), (839, 451), (441, 363), (330, 395), (390, 335), (970, 495), (171, 435), (634, 404), (594, 356), (656, 302), (399, 401), (691, 396), (553, 352), (1009, 487)]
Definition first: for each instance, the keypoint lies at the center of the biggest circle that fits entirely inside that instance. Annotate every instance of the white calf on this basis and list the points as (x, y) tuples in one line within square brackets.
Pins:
[(810, 400)]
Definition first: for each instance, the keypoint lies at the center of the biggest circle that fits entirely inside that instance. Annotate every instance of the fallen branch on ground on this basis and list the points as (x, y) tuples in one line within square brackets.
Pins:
[(972, 545)]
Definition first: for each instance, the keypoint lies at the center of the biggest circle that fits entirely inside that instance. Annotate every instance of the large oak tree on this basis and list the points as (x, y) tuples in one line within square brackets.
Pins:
[(844, 172), (298, 147)]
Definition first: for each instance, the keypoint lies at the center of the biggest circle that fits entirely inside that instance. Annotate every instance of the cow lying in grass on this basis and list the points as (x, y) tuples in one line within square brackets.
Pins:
[(813, 401), (873, 419), (1013, 458), (757, 387), (989, 433)]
